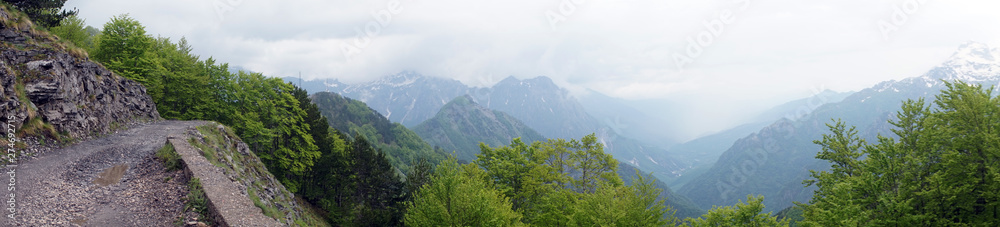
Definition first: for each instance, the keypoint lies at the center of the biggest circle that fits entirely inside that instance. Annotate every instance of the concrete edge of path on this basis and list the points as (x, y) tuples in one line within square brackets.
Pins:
[(226, 205)]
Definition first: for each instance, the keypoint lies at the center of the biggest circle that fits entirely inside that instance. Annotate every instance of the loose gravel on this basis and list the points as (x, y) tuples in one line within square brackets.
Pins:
[(57, 188)]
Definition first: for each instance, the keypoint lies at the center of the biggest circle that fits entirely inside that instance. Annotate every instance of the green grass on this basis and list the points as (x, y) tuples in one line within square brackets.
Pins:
[(313, 215), (216, 149), (269, 211), (171, 160), (207, 151), (196, 200), (38, 128)]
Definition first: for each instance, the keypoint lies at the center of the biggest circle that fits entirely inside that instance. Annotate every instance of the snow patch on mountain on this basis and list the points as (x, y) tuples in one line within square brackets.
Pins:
[(972, 62)]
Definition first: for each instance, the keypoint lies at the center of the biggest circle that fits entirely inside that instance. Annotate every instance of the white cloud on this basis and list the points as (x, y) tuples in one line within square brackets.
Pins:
[(771, 51)]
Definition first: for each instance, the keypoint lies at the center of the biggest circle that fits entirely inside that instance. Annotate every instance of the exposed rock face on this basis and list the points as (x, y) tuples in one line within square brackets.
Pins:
[(76, 96)]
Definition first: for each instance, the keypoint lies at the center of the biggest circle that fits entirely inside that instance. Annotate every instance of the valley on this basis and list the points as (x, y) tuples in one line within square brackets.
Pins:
[(468, 114)]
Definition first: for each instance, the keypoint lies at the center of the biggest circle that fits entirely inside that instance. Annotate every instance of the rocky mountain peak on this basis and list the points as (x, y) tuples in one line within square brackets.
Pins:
[(973, 61)]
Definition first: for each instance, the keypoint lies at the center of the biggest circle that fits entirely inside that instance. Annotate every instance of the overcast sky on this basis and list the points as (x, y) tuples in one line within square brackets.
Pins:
[(735, 57)]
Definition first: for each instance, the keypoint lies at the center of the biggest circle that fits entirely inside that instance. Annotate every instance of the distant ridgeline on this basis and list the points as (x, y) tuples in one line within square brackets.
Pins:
[(775, 160), (410, 99)]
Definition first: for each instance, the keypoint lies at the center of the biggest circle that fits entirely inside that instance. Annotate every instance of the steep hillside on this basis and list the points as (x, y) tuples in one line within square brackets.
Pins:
[(704, 151), (538, 103), (462, 124), (353, 118), (679, 203), (51, 91), (541, 104), (222, 148), (774, 161)]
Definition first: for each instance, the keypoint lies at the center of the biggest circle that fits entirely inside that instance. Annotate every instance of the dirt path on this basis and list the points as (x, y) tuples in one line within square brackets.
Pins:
[(110, 181)]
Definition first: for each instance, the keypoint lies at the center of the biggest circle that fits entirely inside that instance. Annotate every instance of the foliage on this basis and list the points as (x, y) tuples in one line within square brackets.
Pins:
[(558, 182), (171, 160), (741, 214), (356, 178), (462, 124), (792, 213), (460, 196), (401, 145), (355, 182), (418, 176), (74, 30), (356, 185), (941, 171), (612, 205), (124, 47), (44, 12), (196, 200)]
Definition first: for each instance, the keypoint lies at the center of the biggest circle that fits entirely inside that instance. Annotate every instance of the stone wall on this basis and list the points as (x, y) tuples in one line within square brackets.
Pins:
[(227, 203)]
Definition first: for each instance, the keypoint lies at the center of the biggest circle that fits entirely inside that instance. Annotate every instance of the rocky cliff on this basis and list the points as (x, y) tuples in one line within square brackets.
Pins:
[(51, 90)]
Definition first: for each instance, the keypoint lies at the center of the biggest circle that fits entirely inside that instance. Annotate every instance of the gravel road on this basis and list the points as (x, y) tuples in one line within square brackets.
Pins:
[(78, 185)]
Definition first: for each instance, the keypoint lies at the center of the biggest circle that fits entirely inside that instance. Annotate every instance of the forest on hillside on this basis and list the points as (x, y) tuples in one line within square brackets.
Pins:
[(941, 169)]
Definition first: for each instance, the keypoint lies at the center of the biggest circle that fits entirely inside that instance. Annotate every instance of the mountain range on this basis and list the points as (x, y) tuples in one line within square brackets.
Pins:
[(776, 159), (353, 118), (705, 151), (462, 124), (410, 98)]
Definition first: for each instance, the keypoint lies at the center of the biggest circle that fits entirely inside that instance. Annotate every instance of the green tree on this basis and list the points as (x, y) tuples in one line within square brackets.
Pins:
[(183, 92), (43, 12), (329, 184), (459, 195), (418, 176), (574, 183), (269, 119), (125, 48), (508, 168), (74, 30), (741, 214), (617, 205), (942, 170), (594, 165), (377, 188)]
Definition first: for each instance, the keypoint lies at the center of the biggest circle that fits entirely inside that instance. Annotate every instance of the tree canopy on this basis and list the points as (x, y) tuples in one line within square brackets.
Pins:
[(941, 169), (43, 12), (553, 183)]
